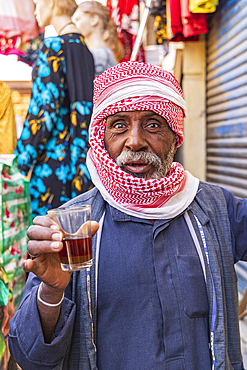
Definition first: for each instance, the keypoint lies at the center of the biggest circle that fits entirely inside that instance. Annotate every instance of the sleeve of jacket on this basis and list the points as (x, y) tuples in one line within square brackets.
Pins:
[(26, 340), (237, 211)]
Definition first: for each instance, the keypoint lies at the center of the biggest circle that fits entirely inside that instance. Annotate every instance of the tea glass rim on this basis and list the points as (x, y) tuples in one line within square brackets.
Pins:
[(68, 209)]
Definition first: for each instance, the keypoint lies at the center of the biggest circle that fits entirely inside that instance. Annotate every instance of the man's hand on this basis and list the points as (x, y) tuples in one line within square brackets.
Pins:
[(45, 243)]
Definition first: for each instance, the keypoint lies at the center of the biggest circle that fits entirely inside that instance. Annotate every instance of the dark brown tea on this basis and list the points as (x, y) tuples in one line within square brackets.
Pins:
[(80, 250)]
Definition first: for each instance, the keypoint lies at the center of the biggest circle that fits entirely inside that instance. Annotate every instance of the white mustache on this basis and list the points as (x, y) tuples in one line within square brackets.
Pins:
[(128, 155)]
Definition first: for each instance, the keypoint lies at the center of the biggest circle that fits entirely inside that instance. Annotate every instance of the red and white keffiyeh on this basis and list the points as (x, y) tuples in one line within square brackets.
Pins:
[(132, 86)]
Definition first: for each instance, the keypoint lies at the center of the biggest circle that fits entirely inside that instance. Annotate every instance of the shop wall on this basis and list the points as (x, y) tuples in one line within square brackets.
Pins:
[(193, 85)]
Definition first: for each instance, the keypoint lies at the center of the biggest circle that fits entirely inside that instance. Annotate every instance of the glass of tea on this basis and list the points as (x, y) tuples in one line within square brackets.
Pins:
[(75, 223)]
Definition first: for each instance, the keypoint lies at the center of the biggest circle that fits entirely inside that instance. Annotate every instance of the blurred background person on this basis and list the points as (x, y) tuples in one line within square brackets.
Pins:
[(54, 140), (93, 21)]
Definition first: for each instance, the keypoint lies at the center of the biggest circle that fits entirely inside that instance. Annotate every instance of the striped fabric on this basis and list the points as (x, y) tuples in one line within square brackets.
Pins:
[(15, 219)]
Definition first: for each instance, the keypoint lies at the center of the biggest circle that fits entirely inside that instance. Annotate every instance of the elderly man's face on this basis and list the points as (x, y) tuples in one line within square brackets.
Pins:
[(140, 142)]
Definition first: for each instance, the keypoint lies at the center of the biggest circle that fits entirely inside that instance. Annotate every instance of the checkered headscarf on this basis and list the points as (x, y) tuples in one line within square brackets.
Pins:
[(132, 86)]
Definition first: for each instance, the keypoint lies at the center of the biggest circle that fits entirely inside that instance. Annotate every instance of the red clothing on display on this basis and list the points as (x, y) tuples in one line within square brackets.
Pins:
[(193, 23), (125, 13), (186, 26), (176, 20)]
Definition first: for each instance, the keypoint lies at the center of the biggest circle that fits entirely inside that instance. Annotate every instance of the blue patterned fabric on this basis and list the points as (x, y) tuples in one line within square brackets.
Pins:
[(54, 140)]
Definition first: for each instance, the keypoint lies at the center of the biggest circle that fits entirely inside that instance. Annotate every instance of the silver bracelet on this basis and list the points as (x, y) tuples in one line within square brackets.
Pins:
[(46, 303)]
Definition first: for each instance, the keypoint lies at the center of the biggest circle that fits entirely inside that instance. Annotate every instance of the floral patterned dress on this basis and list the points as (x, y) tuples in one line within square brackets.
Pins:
[(54, 140)]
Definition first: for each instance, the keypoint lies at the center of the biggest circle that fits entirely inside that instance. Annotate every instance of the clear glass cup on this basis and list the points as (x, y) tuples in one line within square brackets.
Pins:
[(75, 223)]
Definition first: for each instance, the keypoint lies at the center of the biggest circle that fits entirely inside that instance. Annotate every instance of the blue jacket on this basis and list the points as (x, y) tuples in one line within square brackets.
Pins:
[(221, 216)]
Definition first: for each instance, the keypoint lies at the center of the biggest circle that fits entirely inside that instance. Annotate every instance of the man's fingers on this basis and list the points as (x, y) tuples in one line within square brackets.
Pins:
[(35, 247), (85, 228), (43, 221), (37, 232), (27, 265), (47, 238)]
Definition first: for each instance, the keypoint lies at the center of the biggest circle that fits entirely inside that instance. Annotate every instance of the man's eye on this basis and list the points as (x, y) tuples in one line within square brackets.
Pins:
[(153, 125), (118, 125)]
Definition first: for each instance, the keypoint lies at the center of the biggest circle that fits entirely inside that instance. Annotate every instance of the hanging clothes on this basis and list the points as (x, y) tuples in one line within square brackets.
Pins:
[(32, 51), (17, 26), (203, 6), (184, 25), (17, 19), (193, 24), (175, 14), (7, 121), (125, 13)]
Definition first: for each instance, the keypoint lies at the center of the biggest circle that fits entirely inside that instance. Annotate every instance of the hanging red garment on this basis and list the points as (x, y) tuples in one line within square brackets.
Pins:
[(193, 23), (176, 20), (125, 13), (185, 26), (17, 20)]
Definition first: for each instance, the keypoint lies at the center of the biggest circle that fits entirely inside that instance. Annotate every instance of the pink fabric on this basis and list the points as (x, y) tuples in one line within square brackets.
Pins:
[(127, 190), (10, 46), (17, 19), (184, 24)]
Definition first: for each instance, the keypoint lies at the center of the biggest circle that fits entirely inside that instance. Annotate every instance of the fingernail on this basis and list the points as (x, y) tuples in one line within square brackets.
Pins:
[(55, 245), (54, 227), (57, 236)]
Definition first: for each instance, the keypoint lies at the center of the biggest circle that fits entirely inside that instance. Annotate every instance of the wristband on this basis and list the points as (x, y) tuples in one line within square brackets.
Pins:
[(46, 303)]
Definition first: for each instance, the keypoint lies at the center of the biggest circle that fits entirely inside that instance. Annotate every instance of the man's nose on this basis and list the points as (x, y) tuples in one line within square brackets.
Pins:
[(136, 139)]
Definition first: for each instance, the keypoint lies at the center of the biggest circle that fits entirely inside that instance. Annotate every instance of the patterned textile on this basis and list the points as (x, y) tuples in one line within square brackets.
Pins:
[(135, 86), (15, 218), (14, 221), (54, 139), (7, 121), (32, 50), (6, 313)]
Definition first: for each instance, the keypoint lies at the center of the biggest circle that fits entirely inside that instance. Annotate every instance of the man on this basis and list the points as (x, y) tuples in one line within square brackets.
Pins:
[(162, 290)]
